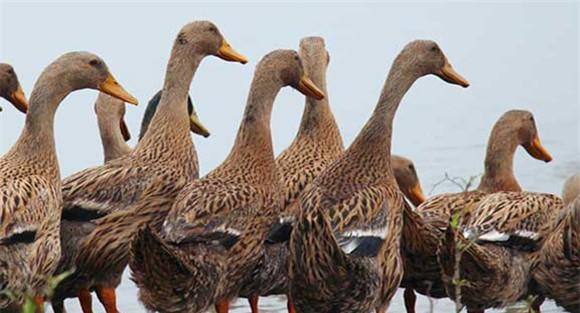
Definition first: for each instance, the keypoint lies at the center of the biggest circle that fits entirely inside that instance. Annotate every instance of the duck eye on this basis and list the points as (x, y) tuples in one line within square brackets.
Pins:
[(11, 71), (94, 62), (212, 29), (532, 118), (296, 58), (434, 48)]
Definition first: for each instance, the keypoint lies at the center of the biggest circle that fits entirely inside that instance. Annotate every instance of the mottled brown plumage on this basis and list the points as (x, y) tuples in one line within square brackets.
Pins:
[(556, 269), (110, 112), (217, 225), (114, 132), (355, 205), (30, 188), (160, 165), (10, 88), (316, 145), (425, 226), (505, 229)]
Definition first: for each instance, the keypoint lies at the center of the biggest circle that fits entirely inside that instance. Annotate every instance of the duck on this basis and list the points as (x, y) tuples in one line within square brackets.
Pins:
[(426, 225), (10, 88), (343, 256), (162, 163), (407, 179), (499, 241), (556, 266), (317, 143), (30, 184), (114, 134), (213, 235)]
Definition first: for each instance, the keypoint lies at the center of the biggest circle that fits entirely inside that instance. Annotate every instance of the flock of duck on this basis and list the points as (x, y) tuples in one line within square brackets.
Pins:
[(327, 226)]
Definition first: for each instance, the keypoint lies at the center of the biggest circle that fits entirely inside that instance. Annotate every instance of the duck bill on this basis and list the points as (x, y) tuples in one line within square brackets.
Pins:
[(537, 150), (124, 130), (113, 88), (448, 74), (195, 126), (416, 195), (309, 89), (226, 52), (18, 99)]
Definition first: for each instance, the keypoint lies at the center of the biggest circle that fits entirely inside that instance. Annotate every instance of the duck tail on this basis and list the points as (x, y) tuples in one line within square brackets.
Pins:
[(164, 282)]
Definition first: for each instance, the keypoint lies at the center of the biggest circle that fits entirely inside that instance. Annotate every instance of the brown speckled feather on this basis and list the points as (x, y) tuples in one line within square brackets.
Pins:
[(505, 227), (225, 215), (31, 203), (164, 161), (556, 271), (424, 227), (110, 115), (317, 144), (503, 215), (345, 245)]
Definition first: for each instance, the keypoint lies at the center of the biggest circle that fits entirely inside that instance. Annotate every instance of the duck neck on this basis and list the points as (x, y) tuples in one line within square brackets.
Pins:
[(36, 144), (254, 138), (114, 145), (170, 124), (374, 141), (317, 118), (373, 145), (499, 174)]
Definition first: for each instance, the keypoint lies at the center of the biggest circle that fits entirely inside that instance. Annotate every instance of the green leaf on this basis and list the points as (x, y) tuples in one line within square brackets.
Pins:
[(29, 305)]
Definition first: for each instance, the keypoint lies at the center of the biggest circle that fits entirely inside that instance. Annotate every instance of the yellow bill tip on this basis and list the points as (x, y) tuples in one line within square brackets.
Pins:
[(448, 74), (18, 99), (537, 150), (309, 89), (226, 52), (111, 87), (195, 126), (416, 195)]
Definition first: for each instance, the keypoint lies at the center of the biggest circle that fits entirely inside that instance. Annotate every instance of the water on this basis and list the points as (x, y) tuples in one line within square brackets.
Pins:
[(128, 303), (517, 55)]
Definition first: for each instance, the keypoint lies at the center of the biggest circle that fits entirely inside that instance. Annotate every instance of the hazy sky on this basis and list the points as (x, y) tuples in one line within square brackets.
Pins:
[(516, 55)]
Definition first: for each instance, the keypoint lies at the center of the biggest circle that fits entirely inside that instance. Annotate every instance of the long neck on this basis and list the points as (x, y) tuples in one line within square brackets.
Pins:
[(114, 145), (317, 118), (499, 174), (36, 146), (374, 141), (170, 125), (373, 145), (254, 138)]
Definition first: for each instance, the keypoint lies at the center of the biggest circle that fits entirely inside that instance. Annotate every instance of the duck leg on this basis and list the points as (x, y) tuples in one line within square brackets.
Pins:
[(254, 303), (222, 306), (86, 300), (39, 304), (108, 298), (410, 299), (290, 305)]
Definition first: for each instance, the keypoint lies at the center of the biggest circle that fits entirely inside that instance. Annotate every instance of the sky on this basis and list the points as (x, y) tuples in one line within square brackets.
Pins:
[(517, 55)]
